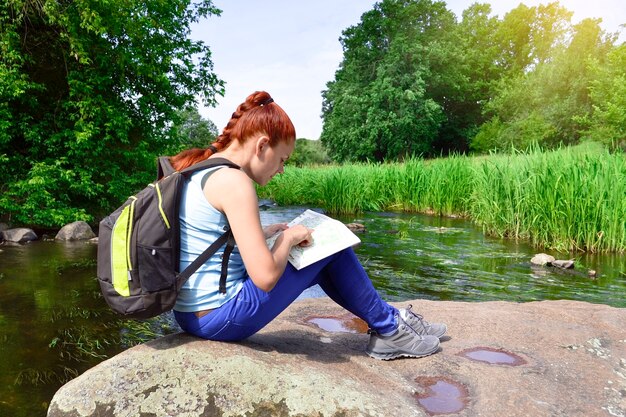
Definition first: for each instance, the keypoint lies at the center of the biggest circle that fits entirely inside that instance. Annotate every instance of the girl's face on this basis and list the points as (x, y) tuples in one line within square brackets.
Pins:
[(272, 159)]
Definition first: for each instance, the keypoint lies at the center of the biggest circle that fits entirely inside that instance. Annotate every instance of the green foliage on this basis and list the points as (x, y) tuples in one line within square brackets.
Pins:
[(92, 92), (415, 185), (308, 152), (191, 130), (378, 107), (548, 102), (524, 102), (568, 199), (607, 122), (415, 81), (527, 35), (48, 185), (412, 81), (88, 93)]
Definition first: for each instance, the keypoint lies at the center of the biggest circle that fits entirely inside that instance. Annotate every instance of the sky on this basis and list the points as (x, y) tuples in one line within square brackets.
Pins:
[(291, 48)]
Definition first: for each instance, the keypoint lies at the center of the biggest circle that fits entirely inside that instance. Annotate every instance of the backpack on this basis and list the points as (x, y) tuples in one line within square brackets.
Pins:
[(138, 246)]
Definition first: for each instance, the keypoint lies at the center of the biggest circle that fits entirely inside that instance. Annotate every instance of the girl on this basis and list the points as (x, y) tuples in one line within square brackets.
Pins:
[(260, 283)]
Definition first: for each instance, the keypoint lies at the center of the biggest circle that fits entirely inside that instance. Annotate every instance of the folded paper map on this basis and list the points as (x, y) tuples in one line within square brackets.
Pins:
[(329, 236)]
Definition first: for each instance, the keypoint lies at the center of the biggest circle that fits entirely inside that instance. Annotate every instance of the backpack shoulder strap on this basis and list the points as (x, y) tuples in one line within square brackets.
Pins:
[(165, 168), (230, 245), (226, 237), (208, 163)]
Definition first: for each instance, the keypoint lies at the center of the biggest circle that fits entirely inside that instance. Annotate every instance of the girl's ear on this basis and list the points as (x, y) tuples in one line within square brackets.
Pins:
[(262, 143)]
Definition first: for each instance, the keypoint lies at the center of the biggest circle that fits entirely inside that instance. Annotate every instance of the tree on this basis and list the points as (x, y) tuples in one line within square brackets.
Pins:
[(378, 106), (88, 92), (527, 36), (607, 121), (466, 76), (547, 102), (191, 130), (414, 81), (308, 152)]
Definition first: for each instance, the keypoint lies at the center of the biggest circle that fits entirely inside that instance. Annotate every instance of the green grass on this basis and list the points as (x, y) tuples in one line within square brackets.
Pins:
[(569, 199)]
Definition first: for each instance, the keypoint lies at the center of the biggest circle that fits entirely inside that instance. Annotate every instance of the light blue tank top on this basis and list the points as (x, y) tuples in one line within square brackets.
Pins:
[(200, 225)]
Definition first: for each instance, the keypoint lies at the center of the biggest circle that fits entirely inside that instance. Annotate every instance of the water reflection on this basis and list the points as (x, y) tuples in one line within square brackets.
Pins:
[(417, 256), (441, 395), (493, 356), (341, 324), (451, 259), (54, 324)]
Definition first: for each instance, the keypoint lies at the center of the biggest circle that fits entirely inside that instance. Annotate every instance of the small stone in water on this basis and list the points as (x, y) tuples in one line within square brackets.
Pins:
[(563, 264), (542, 259)]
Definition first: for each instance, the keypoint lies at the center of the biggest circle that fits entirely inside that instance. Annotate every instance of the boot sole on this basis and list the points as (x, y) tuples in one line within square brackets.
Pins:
[(395, 355)]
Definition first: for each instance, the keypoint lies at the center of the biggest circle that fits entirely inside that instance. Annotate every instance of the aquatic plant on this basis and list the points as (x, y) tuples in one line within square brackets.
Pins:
[(36, 377), (568, 199), (63, 266)]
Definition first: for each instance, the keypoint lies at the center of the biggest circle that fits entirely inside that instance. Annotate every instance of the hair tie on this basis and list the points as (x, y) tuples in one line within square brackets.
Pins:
[(265, 102), (212, 148)]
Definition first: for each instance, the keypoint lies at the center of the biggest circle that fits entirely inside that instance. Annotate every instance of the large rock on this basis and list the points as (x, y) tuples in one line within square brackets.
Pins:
[(19, 235), (549, 358), (75, 231)]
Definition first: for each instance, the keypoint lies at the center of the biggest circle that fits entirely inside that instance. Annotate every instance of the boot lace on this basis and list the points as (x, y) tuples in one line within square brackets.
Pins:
[(420, 319)]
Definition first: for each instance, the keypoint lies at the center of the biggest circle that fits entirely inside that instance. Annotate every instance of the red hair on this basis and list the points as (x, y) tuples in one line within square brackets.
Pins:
[(257, 115)]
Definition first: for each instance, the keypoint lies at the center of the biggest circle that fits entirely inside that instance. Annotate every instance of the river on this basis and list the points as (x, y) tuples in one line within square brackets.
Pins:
[(54, 324)]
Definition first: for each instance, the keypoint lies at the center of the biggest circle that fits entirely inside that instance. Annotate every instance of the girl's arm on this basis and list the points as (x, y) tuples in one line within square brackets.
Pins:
[(232, 192)]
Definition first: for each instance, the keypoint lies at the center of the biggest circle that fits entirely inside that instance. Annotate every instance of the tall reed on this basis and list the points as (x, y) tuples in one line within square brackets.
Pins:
[(565, 199), (568, 199)]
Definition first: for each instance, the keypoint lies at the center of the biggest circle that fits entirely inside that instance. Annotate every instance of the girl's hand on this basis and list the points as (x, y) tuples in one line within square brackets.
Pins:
[(272, 229), (299, 235)]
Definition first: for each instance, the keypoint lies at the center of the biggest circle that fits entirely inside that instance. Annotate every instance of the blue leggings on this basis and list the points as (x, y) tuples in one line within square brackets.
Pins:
[(341, 276)]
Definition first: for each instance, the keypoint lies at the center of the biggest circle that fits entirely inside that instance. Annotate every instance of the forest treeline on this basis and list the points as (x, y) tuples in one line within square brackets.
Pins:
[(417, 80), (92, 92)]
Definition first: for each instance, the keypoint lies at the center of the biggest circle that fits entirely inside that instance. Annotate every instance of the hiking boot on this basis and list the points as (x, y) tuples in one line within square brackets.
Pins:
[(404, 342), (421, 326)]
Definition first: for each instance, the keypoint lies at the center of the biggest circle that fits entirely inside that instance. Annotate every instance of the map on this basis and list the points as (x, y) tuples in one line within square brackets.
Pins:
[(329, 236)]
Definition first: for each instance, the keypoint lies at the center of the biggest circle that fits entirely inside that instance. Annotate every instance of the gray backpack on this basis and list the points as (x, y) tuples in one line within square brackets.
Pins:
[(138, 246)]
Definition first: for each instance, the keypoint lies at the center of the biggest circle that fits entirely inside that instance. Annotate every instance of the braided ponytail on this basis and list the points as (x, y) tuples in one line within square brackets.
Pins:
[(258, 114)]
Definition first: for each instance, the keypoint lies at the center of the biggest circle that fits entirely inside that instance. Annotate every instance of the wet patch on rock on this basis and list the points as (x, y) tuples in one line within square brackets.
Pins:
[(439, 395), (337, 324), (492, 356)]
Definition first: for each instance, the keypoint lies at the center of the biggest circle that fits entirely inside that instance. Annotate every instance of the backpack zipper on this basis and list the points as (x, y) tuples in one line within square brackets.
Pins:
[(158, 191)]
